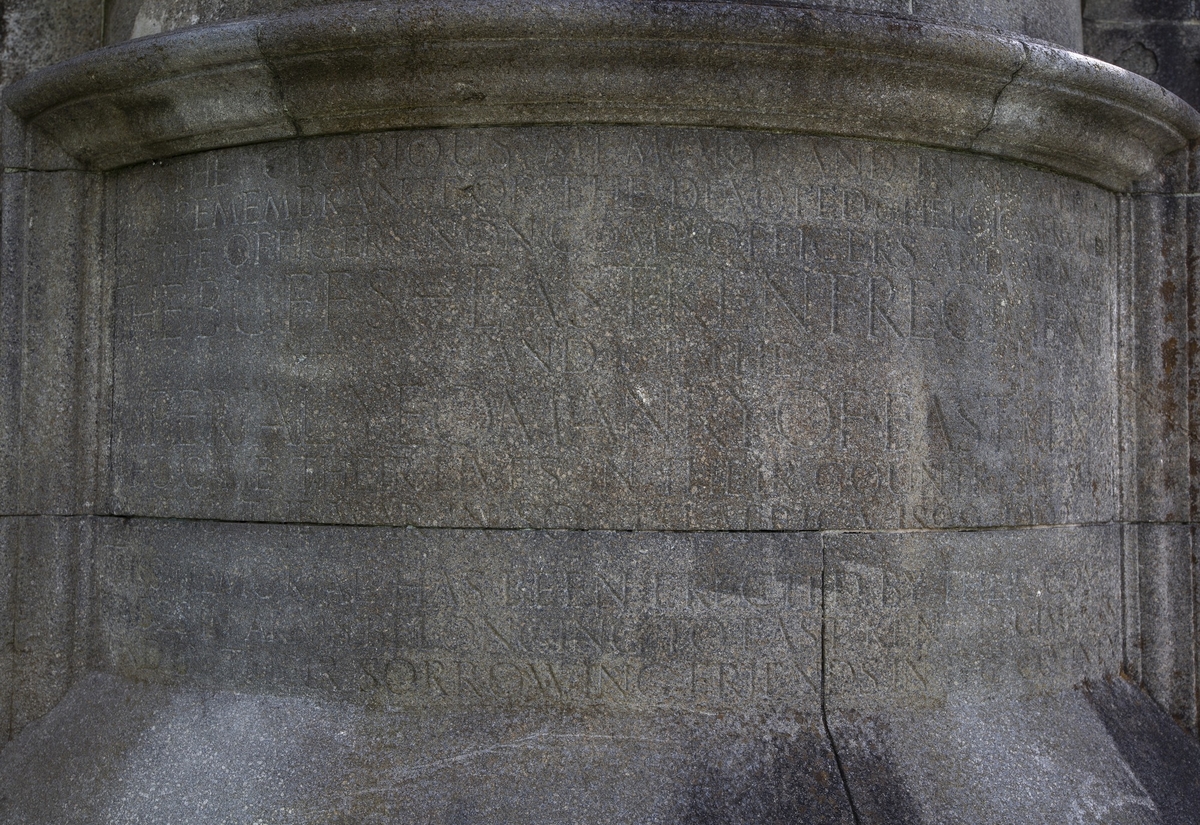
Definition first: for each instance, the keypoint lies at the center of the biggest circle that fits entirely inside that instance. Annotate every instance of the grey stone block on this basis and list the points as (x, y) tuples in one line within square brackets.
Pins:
[(1165, 760), (1160, 51), (1161, 644), (8, 571), (114, 752), (441, 619), (1154, 330), (49, 604), (425, 621), (493, 328), (54, 300), (30, 150), (11, 346), (1193, 219), (760, 67), (922, 619), (1054, 20), (1036, 760), (788, 439), (1137, 10), (38, 33)]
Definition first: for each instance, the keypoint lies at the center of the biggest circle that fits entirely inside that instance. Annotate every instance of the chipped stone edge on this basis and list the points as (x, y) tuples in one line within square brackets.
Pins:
[(430, 63)]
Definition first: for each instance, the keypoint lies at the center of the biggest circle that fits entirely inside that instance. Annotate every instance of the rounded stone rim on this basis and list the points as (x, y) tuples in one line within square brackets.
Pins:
[(394, 65)]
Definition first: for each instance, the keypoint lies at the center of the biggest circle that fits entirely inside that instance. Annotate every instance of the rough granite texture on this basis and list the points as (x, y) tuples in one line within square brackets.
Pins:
[(580, 412), (38, 33), (1054, 20), (1156, 39), (120, 752), (413, 618), (746, 66), (612, 328)]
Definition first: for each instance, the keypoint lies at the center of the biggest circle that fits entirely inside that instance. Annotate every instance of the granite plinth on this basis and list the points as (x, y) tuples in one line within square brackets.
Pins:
[(116, 752), (590, 412)]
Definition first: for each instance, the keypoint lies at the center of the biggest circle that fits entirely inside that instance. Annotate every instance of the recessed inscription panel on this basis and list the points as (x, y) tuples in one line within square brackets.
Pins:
[(396, 618), (427, 619), (612, 327), (923, 617)]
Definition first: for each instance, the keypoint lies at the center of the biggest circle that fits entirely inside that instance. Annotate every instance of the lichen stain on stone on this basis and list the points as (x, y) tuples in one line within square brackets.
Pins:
[(1170, 355), (1167, 290)]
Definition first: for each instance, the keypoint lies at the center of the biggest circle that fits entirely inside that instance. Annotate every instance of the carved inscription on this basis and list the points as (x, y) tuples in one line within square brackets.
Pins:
[(406, 618), (922, 616), (612, 327)]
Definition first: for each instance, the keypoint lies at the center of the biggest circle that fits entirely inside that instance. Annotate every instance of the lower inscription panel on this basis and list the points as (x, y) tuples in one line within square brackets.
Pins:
[(930, 616), (426, 619), (411, 618)]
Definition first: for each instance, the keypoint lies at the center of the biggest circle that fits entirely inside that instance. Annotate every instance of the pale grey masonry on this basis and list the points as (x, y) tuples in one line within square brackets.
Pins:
[(596, 411), (613, 328)]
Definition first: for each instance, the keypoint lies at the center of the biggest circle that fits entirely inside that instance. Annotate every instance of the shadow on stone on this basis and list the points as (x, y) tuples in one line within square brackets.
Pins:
[(1160, 753), (1000, 759), (779, 778), (119, 752), (879, 795)]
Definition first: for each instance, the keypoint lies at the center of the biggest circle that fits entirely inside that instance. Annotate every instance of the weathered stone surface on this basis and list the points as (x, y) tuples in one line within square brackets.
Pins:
[(421, 619), (37, 33), (425, 621), (926, 618), (54, 320), (1193, 361), (743, 65), (1154, 330), (1159, 413), (48, 601), (1161, 647), (1165, 760), (113, 752), (1054, 20), (8, 576), (1138, 10), (769, 446), (1158, 40), (607, 328), (1037, 760)]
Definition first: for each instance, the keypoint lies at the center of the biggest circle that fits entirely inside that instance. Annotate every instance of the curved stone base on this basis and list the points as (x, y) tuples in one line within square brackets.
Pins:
[(595, 412)]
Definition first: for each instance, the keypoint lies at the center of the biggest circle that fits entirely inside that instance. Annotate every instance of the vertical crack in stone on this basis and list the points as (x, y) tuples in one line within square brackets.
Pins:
[(1000, 93), (824, 690)]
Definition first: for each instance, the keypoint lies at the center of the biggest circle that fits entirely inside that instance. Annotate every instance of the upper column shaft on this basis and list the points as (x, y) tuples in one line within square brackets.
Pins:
[(1058, 21)]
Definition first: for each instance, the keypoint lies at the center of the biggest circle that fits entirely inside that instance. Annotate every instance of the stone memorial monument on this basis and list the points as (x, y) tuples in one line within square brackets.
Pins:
[(597, 411)]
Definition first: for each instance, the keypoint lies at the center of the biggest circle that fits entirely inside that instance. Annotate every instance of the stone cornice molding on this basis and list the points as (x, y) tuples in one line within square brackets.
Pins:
[(373, 66)]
